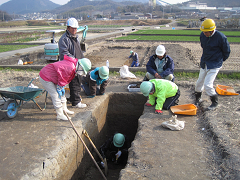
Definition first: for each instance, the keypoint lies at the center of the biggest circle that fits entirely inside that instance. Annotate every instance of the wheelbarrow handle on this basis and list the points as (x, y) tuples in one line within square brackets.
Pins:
[(32, 80)]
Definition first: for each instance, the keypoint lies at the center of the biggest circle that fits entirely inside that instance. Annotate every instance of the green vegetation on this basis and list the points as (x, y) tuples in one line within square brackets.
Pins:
[(186, 75), (183, 23), (107, 26), (161, 38), (10, 69), (182, 32), (192, 35), (177, 32), (234, 75), (12, 23), (5, 48)]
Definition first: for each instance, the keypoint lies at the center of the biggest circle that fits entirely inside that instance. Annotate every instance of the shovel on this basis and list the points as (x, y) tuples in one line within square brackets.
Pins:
[(83, 46), (103, 160), (85, 145)]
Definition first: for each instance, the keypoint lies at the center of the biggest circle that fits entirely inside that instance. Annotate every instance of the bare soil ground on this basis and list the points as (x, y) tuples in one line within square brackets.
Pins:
[(219, 129)]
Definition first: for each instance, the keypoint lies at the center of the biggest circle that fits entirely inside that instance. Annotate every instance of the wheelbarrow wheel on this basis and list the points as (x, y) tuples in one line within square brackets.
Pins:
[(11, 106)]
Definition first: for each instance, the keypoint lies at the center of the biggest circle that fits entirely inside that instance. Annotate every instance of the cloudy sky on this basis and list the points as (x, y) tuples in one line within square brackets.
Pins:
[(61, 2)]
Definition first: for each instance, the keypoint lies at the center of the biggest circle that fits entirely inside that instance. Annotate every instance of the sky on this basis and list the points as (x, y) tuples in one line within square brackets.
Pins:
[(62, 2)]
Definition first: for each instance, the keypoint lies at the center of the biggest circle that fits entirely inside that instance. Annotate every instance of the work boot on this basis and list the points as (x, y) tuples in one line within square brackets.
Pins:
[(214, 104), (145, 78), (64, 106), (198, 98), (60, 115)]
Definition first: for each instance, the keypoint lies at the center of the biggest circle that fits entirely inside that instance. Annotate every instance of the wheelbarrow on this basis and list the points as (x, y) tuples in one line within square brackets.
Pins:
[(15, 96)]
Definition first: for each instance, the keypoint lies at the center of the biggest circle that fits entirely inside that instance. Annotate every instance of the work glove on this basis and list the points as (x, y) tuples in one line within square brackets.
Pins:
[(102, 164), (118, 154), (148, 104), (60, 91), (158, 112), (91, 96)]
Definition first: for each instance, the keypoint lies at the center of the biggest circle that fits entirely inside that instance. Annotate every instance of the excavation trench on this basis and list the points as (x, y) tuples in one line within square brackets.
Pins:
[(117, 113)]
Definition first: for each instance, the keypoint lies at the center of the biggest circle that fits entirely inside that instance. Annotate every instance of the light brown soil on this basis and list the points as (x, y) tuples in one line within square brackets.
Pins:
[(220, 129)]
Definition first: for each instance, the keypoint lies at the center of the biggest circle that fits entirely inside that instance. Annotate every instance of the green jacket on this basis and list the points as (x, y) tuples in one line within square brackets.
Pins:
[(163, 90)]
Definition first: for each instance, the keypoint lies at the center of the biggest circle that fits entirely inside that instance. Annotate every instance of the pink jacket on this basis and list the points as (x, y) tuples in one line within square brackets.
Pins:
[(60, 72)]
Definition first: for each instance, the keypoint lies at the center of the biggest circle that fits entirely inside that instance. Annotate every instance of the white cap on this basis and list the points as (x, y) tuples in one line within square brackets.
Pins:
[(160, 51), (72, 22)]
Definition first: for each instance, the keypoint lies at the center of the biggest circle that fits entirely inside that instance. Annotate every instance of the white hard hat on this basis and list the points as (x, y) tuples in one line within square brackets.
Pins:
[(160, 51), (72, 22)]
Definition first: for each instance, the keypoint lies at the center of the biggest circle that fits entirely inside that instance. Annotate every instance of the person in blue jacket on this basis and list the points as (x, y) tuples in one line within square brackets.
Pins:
[(135, 59), (160, 66), (216, 49), (94, 79)]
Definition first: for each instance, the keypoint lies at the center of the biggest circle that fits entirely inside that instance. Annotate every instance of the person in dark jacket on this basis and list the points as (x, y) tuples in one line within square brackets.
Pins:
[(70, 45), (216, 49), (160, 66), (135, 59), (115, 149), (95, 78)]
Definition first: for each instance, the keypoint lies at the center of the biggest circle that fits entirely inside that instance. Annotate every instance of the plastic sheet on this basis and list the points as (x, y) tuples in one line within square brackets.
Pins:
[(125, 73)]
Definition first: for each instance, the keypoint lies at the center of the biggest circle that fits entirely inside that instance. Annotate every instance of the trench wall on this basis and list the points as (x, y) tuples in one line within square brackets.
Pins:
[(108, 114), (69, 153), (118, 113)]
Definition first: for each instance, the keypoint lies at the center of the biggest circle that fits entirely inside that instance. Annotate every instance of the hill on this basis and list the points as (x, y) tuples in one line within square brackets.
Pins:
[(219, 3), (75, 5), (27, 6)]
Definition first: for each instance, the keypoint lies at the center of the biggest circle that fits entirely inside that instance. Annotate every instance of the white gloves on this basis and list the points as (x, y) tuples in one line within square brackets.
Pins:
[(118, 154), (102, 163)]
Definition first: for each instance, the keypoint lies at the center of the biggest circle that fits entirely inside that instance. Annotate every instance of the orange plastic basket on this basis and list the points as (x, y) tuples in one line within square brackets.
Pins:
[(185, 109), (225, 90)]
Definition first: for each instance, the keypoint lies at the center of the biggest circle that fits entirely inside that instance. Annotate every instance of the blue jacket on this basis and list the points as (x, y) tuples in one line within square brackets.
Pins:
[(216, 49), (135, 59), (94, 76), (167, 69)]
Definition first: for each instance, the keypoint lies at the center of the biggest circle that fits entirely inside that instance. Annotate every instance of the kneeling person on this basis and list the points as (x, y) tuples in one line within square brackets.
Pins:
[(160, 66), (95, 78), (164, 92)]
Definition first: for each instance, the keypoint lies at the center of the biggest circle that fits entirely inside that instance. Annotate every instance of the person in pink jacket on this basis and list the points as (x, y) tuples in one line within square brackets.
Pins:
[(55, 76)]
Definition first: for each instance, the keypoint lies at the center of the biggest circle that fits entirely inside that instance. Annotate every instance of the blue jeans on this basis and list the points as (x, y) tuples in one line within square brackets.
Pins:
[(135, 63)]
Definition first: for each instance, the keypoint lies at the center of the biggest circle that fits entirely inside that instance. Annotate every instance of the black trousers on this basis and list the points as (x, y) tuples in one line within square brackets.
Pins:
[(87, 91), (172, 101), (75, 89)]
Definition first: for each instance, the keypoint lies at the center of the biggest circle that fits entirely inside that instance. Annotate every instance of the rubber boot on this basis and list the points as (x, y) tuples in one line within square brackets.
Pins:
[(198, 98), (214, 104), (145, 78), (64, 105), (60, 115)]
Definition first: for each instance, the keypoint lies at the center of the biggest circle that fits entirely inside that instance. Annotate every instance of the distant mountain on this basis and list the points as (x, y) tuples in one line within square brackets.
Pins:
[(27, 6), (99, 5), (30, 6), (219, 3)]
